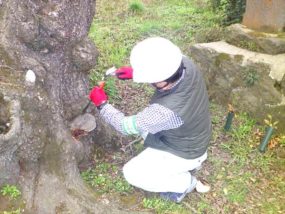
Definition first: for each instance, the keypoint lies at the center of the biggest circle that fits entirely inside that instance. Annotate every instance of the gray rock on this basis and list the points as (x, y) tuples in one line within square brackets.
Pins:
[(250, 81), (241, 36)]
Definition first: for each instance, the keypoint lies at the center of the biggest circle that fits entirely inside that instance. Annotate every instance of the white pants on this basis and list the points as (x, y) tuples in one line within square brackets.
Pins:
[(159, 171)]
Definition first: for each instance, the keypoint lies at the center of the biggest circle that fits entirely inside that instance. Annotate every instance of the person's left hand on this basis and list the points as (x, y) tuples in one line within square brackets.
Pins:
[(124, 73), (98, 96)]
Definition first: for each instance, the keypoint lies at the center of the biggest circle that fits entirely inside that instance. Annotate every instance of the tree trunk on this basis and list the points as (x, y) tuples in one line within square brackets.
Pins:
[(37, 150)]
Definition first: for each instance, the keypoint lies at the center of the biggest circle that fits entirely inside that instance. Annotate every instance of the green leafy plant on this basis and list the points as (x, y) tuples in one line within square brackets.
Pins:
[(250, 77), (269, 122), (106, 178), (11, 191), (215, 4)]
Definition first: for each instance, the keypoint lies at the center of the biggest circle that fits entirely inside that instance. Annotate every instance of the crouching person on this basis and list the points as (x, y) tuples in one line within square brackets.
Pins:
[(176, 125)]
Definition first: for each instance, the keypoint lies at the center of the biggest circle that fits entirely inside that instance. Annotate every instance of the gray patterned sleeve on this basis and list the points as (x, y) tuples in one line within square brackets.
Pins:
[(152, 119)]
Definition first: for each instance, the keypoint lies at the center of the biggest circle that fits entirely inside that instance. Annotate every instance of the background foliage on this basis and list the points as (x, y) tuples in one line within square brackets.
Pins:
[(232, 10)]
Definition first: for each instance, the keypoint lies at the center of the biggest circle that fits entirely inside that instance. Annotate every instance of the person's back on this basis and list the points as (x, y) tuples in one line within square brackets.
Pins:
[(189, 100)]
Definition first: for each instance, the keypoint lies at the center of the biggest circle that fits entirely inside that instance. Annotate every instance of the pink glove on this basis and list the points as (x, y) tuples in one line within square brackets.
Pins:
[(98, 96), (124, 73)]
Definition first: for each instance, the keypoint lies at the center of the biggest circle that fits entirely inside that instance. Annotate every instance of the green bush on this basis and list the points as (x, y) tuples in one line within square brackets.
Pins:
[(216, 4), (233, 10)]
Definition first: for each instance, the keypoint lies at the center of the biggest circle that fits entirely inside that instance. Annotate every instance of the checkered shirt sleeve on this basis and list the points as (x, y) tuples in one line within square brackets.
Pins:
[(152, 119)]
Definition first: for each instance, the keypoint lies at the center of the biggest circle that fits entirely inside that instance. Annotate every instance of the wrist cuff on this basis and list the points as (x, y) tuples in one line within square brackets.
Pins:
[(100, 107)]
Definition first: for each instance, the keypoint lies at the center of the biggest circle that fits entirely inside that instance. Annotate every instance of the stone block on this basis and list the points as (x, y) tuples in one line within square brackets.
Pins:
[(269, 43), (252, 82)]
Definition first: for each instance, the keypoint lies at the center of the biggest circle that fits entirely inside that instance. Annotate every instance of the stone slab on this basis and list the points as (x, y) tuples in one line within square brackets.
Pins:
[(228, 69), (244, 37)]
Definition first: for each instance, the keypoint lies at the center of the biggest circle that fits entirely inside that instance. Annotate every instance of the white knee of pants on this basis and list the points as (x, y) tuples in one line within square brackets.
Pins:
[(159, 171), (131, 174), (156, 182)]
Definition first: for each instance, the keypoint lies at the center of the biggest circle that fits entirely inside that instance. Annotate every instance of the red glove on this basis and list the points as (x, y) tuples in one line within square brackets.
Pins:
[(98, 96), (124, 73)]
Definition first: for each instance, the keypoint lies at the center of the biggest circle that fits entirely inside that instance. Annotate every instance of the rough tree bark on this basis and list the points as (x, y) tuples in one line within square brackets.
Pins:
[(37, 150)]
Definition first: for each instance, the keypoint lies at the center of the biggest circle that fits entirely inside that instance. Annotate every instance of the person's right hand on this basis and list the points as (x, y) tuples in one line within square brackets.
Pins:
[(98, 96), (124, 73)]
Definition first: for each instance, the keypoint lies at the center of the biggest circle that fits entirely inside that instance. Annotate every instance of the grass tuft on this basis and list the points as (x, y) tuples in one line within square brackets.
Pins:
[(136, 6), (11, 191)]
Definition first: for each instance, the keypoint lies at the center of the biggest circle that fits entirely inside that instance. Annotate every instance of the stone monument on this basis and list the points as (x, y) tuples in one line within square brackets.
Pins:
[(265, 15)]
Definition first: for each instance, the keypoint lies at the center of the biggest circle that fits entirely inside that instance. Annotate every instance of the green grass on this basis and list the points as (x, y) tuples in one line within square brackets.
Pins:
[(161, 206), (236, 189), (249, 170), (241, 132), (203, 206), (243, 128), (17, 211), (117, 28), (106, 178)]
